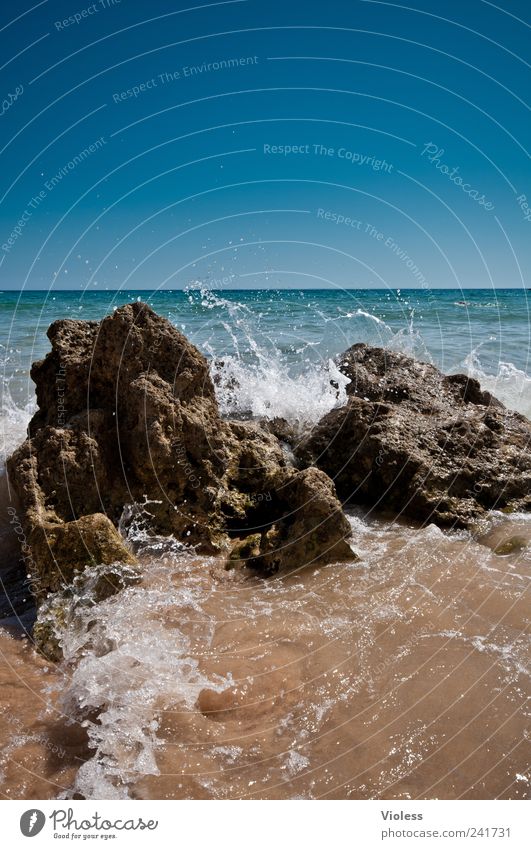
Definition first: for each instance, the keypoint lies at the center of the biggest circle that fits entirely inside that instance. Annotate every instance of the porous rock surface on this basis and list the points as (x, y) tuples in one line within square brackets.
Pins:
[(127, 414), (414, 441)]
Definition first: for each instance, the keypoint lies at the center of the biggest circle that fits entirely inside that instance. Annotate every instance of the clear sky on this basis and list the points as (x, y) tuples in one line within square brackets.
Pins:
[(268, 144)]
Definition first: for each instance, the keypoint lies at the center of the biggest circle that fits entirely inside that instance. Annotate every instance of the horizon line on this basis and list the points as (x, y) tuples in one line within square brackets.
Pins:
[(282, 289)]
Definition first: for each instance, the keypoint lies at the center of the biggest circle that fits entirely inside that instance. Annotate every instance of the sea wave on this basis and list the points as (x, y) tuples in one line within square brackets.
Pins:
[(292, 376)]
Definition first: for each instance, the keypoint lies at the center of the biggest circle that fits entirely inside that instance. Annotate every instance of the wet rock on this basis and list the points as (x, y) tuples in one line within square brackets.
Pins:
[(284, 430), (377, 374), (46, 632), (126, 409), (415, 441), (244, 550), (513, 545), (61, 550), (128, 415), (310, 528), (59, 610), (56, 546)]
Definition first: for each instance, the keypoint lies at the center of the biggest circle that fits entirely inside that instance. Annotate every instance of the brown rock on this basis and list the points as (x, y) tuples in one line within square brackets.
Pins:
[(310, 527), (60, 550), (127, 413), (418, 442)]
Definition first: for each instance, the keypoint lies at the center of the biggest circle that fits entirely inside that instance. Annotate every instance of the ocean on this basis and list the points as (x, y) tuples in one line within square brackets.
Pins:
[(285, 337), (399, 675)]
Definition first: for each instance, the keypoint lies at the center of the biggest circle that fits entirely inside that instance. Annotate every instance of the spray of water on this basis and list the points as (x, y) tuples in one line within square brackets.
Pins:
[(511, 385), (14, 420), (123, 665)]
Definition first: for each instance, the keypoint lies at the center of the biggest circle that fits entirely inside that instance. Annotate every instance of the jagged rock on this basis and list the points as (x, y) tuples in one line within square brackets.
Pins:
[(310, 529), (377, 374), (61, 550), (58, 546), (285, 431), (418, 442), (127, 407), (128, 414)]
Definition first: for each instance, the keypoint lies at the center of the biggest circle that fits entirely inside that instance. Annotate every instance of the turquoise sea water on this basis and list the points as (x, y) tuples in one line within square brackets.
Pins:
[(278, 344)]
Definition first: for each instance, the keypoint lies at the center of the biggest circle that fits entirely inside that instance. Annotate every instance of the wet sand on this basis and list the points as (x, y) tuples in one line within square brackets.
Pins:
[(399, 676)]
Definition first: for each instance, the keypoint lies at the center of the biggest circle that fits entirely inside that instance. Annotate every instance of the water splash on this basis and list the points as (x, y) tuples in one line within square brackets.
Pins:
[(268, 389), (265, 373), (123, 665), (135, 525), (260, 377), (510, 384), (14, 419)]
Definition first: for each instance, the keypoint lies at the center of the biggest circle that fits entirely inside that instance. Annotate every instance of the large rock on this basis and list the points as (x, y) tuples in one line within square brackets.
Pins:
[(127, 414), (418, 442), (127, 410)]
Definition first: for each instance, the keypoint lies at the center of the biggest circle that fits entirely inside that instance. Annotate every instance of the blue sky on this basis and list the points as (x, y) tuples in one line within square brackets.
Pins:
[(354, 144)]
